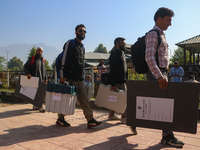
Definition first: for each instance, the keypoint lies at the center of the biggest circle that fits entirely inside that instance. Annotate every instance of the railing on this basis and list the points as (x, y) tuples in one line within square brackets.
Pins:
[(9, 79)]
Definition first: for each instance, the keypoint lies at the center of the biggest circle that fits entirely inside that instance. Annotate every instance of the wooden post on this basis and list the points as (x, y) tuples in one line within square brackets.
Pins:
[(193, 56), (190, 56), (184, 57)]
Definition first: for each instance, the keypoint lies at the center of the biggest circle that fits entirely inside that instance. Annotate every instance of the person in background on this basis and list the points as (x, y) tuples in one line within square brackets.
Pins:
[(88, 85), (101, 69), (176, 73), (35, 66), (14, 80)]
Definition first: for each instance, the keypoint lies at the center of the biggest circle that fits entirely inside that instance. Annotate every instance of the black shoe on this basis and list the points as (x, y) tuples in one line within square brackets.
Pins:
[(93, 123), (62, 123), (171, 140), (133, 129), (42, 110), (36, 108)]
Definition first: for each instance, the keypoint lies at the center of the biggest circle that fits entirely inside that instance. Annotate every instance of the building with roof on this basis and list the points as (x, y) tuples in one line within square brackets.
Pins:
[(193, 46), (92, 59)]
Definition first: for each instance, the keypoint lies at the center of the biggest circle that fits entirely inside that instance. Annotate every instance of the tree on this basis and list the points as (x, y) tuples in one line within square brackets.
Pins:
[(2, 64), (179, 56), (32, 52), (53, 66), (101, 49), (15, 64), (47, 65)]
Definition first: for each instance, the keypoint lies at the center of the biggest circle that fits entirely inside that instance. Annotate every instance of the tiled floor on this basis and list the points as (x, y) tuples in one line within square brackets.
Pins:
[(21, 128)]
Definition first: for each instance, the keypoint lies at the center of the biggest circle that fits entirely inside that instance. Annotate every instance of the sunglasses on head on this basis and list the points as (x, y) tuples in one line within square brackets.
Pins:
[(80, 31)]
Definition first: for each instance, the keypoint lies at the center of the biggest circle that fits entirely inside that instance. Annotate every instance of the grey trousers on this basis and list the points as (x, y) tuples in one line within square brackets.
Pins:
[(82, 98)]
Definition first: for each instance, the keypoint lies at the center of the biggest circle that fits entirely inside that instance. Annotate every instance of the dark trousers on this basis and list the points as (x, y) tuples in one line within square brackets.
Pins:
[(150, 77)]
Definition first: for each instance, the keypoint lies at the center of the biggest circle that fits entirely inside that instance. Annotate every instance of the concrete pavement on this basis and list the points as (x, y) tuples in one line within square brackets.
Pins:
[(22, 128)]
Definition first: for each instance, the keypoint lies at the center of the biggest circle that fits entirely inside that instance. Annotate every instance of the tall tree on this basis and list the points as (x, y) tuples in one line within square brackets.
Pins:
[(53, 66), (15, 64), (101, 49), (47, 65), (2, 63), (178, 56), (32, 52)]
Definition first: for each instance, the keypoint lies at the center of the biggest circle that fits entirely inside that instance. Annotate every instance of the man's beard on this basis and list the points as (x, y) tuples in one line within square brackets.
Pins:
[(80, 36), (123, 48), (38, 56)]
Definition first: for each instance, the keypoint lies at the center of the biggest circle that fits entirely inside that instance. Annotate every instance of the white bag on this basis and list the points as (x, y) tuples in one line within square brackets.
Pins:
[(112, 100)]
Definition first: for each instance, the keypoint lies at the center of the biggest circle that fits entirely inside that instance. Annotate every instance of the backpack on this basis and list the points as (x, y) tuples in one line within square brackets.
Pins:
[(105, 78), (33, 60), (60, 60), (138, 50)]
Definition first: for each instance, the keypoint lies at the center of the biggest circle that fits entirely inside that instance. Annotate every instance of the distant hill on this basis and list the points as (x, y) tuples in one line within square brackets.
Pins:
[(22, 50)]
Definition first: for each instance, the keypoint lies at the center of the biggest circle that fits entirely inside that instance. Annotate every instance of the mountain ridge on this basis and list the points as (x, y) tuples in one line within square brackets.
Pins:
[(22, 50)]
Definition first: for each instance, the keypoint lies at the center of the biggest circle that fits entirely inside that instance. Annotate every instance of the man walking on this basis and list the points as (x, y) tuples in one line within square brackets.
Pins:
[(35, 66), (73, 73), (118, 75), (158, 70)]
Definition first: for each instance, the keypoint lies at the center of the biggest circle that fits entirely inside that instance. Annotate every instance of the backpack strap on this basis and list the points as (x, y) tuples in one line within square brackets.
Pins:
[(32, 60), (159, 41), (65, 49)]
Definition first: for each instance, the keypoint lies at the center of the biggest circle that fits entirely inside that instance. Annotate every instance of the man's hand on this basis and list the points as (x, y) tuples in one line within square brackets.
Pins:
[(113, 88), (162, 82), (29, 76), (62, 80)]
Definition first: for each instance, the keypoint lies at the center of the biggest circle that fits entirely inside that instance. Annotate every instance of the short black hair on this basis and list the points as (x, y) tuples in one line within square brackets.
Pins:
[(117, 40), (163, 12), (80, 25)]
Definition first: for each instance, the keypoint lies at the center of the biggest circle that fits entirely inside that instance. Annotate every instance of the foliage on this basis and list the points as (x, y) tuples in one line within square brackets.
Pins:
[(2, 64), (132, 75), (15, 64), (32, 52), (179, 56), (47, 65), (53, 66), (101, 49)]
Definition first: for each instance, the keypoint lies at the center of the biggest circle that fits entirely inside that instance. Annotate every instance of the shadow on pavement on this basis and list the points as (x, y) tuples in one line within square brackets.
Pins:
[(15, 113), (119, 142), (36, 132)]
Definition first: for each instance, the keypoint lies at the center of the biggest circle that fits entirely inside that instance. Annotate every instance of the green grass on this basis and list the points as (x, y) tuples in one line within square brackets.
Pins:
[(7, 90)]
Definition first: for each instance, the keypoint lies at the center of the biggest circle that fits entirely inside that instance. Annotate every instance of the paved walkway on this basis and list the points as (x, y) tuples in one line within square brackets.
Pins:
[(21, 128)]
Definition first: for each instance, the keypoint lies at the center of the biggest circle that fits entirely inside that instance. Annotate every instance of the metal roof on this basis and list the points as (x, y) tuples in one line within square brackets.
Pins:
[(191, 43), (96, 56)]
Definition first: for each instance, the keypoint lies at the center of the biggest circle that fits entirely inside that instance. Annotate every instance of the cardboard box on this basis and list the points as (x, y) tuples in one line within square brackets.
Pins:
[(39, 97), (172, 109), (112, 100)]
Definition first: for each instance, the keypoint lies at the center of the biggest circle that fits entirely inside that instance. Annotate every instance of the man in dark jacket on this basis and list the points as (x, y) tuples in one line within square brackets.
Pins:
[(73, 73), (35, 66), (118, 74)]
